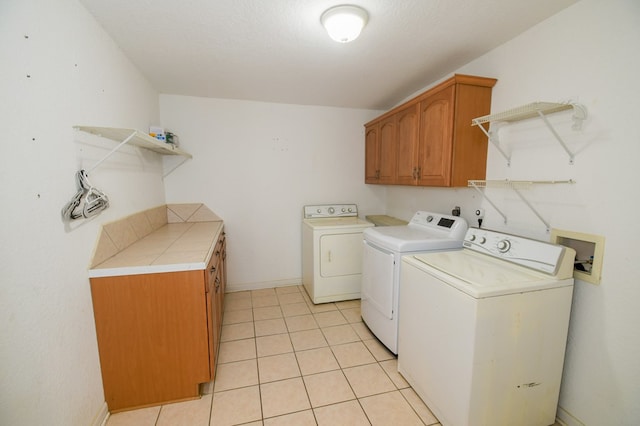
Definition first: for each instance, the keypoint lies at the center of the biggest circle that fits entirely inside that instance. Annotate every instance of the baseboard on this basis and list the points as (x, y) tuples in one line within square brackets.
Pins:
[(566, 418), (230, 288), (103, 415)]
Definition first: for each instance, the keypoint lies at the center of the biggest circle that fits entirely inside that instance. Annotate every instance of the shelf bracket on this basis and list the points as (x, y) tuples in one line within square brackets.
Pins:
[(524, 200), (557, 136), (474, 185), (184, 159), (113, 151), (492, 136), (516, 186)]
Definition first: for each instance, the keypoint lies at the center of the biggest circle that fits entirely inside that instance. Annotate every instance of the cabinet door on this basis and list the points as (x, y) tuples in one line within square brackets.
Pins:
[(387, 156), (213, 324), (436, 138), (407, 144), (223, 269), (215, 276), (152, 337), (371, 154)]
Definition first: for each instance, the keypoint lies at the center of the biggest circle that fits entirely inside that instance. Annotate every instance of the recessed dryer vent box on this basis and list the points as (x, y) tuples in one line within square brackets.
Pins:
[(589, 253)]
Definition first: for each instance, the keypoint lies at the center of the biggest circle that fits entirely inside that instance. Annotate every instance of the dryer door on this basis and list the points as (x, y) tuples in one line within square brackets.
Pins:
[(377, 279), (340, 254)]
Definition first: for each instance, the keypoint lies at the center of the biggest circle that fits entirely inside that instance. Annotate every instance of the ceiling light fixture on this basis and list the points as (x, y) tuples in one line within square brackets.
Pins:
[(344, 23)]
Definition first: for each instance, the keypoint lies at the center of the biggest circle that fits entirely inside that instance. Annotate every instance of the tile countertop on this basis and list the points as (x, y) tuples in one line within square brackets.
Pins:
[(174, 247)]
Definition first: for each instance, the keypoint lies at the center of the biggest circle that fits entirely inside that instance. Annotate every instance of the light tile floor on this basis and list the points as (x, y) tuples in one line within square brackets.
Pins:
[(285, 361)]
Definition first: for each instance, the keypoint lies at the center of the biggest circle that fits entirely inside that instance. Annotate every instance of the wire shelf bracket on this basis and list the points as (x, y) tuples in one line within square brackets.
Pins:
[(532, 110), (516, 186)]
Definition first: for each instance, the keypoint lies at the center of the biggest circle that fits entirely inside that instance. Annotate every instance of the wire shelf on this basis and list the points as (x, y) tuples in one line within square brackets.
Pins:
[(514, 184), (532, 110), (524, 112), (137, 138)]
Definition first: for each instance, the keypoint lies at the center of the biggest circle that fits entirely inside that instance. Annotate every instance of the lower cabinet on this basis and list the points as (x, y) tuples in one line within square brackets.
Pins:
[(158, 333), (216, 279)]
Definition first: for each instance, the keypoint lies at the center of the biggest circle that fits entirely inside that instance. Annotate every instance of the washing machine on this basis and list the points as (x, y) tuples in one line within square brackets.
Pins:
[(382, 249), (332, 252), (483, 330)]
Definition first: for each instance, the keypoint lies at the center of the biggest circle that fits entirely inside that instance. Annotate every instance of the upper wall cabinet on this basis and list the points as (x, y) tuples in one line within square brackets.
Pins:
[(380, 149), (429, 140)]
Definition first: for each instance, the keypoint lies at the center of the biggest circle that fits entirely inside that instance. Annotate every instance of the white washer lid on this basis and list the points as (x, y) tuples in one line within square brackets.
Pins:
[(482, 276), (407, 238)]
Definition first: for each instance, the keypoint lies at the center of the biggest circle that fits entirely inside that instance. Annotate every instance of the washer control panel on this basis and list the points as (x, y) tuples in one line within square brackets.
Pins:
[(330, 210), (451, 226), (538, 255)]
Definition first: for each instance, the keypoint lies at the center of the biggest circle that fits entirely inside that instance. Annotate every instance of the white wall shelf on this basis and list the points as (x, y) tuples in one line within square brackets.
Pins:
[(516, 186), (532, 110), (134, 137)]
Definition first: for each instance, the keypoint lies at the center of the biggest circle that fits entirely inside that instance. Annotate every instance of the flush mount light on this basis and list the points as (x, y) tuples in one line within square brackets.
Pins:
[(344, 23)]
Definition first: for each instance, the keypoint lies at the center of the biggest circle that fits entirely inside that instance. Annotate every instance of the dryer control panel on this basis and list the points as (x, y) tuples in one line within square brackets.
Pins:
[(330, 210)]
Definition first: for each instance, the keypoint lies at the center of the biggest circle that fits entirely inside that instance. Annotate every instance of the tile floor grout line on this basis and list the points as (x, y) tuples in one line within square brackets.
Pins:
[(303, 383), (158, 416), (255, 342)]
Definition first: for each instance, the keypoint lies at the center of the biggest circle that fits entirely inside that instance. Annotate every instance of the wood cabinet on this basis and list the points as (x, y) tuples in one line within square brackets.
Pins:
[(380, 140), (216, 283), (432, 141), (407, 144), (158, 333)]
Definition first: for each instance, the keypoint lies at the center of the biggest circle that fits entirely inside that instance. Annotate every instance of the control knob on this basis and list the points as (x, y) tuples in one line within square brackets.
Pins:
[(504, 246), (429, 219), (332, 210)]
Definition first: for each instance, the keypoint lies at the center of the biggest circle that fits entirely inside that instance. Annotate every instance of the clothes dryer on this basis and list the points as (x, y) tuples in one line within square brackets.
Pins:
[(332, 252), (383, 248)]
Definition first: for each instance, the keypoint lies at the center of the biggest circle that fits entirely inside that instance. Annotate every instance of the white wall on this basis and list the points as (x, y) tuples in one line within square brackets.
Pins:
[(49, 368), (587, 53), (257, 164)]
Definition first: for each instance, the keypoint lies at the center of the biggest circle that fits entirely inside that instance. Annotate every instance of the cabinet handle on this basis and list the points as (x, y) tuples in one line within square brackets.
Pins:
[(418, 172), (378, 174)]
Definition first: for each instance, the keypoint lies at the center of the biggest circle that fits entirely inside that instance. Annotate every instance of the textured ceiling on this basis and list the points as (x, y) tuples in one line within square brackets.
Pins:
[(277, 51)]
